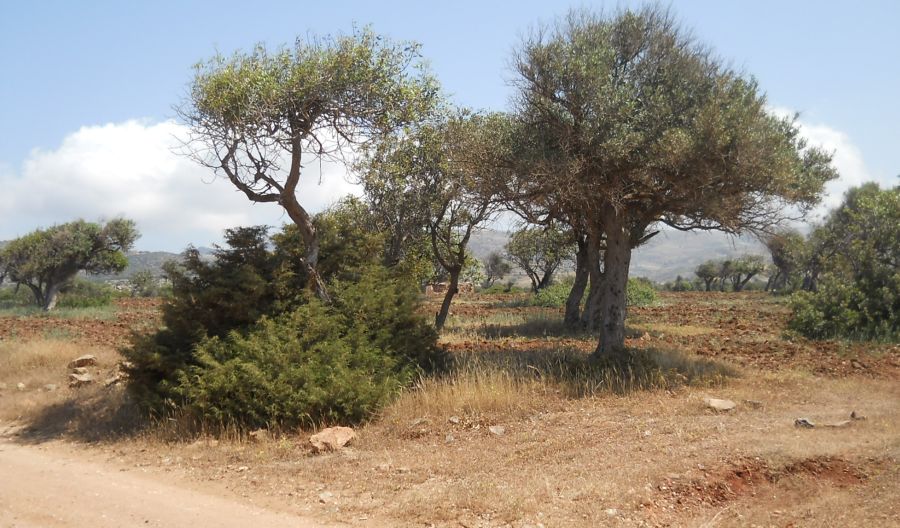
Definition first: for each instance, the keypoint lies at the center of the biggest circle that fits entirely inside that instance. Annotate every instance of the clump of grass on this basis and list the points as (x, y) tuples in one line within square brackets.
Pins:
[(511, 383)]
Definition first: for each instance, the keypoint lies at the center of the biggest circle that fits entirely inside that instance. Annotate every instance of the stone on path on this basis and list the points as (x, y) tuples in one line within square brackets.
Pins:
[(86, 360), (497, 430), (720, 405), (80, 380), (332, 438)]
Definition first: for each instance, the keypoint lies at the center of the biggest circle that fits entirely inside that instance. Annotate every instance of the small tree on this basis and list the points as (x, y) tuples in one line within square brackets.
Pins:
[(708, 272), (259, 117), (744, 269), (539, 251), (46, 260), (495, 268), (143, 284), (442, 168), (787, 250)]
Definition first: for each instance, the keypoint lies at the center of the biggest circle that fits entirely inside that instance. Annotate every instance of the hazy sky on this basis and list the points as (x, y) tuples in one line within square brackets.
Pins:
[(87, 88)]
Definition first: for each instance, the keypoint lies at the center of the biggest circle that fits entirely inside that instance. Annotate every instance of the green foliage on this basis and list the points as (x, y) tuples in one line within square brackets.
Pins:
[(539, 251), (46, 260), (82, 293), (244, 342), (318, 363), (13, 297), (495, 268), (680, 284), (790, 258), (144, 284), (640, 292), (553, 296), (858, 250)]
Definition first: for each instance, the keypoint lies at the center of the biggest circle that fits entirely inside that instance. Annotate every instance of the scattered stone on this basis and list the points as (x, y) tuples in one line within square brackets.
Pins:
[(50, 387), (612, 512), (332, 438), (720, 405), (857, 364), (856, 416), (418, 421), (756, 404), (259, 435), (453, 419), (325, 497), (80, 370), (80, 380), (83, 361), (845, 423), (243, 468), (449, 438), (115, 378), (497, 430), (803, 423), (21, 386)]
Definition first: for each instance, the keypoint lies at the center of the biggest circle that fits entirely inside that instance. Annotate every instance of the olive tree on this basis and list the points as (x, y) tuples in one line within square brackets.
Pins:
[(640, 124), (260, 117), (495, 268), (47, 260), (539, 252), (708, 272), (441, 168)]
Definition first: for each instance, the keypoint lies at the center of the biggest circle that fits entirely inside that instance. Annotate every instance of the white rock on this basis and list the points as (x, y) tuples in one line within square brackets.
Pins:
[(79, 380), (497, 430), (720, 405), (332, 438), (86, 360)]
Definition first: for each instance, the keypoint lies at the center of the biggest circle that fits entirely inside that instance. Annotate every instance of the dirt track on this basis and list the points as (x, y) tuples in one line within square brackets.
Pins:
[(45, 488)]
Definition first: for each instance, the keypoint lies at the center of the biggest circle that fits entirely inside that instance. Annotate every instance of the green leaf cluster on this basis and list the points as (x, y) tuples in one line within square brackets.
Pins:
[(858, 251)]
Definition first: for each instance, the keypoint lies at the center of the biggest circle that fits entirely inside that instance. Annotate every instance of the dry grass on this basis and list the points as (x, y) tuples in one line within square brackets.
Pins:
[(87, 413)]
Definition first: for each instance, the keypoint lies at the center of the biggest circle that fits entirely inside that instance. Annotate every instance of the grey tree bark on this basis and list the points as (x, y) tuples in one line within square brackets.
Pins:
[(452, 289)]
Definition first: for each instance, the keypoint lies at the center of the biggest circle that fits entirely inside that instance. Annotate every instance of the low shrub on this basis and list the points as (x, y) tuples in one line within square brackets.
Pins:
[(640, 292), (848, 310), (83, 293), (313, 364)]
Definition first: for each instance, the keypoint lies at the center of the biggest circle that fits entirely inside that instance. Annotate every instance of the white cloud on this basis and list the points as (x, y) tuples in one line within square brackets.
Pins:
[(847, 159), (131, 169)]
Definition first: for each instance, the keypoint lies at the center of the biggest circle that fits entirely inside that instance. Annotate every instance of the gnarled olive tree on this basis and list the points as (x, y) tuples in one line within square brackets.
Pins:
[(258, 118), (640, 124), (46, 260)]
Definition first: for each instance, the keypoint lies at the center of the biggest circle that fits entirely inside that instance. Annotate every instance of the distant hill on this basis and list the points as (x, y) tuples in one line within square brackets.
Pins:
[(663, 258)]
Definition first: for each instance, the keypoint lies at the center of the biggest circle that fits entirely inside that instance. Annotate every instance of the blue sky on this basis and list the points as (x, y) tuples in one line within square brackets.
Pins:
[(88, 88)]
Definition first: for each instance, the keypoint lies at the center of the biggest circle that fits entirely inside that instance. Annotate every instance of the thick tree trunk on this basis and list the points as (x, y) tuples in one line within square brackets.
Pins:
[(708, 284), (545, 280), (573, 303), (51, 296), (590, 316), (613, 304), (38, 294), (452, 289)]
